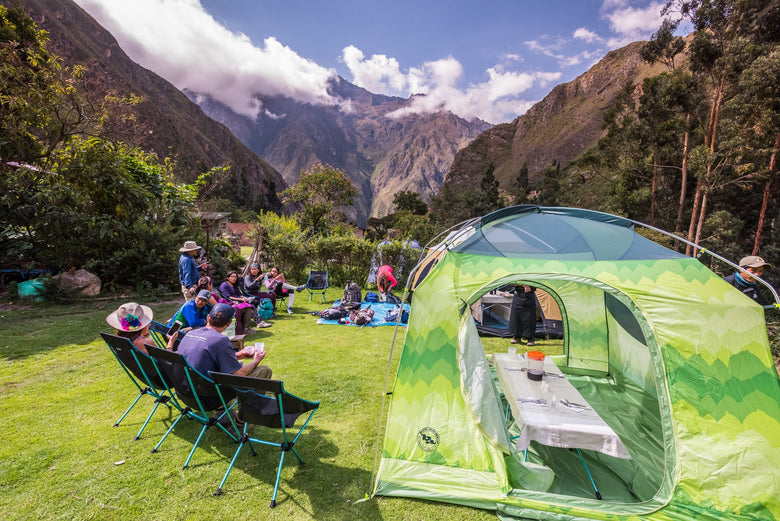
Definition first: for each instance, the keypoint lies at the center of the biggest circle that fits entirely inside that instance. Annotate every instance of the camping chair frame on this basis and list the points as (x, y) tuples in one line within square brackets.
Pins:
[(190, 388), (281, 299), (159, 333), (279, 410), (141, 370), (317, 283)]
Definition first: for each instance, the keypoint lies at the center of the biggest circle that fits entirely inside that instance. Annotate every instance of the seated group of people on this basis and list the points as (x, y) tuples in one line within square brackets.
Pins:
[(206, 348), (243, 294)]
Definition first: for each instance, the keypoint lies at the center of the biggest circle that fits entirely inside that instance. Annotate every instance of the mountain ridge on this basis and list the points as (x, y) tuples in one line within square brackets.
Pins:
[(557, 129), (168, 123), (381, 155)]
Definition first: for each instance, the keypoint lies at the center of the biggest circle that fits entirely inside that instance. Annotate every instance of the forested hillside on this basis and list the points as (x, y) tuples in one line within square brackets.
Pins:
[(691, 148)]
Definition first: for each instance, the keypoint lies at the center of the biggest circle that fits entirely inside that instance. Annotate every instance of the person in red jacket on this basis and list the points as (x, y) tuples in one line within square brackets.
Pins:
[(385, 281)]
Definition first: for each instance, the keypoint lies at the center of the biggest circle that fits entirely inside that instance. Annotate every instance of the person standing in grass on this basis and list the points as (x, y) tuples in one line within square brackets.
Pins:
[(189, 270), (522, 317), (385, 281)]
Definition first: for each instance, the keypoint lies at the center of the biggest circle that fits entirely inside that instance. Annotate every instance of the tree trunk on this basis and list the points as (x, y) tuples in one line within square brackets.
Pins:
[(765, 200), (653, 186), (702, 214), (710, 140), (694, 212), (683, 179)]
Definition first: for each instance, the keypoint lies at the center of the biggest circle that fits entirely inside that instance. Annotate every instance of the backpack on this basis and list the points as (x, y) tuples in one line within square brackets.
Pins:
[(392, 299), (265, 310), (333, 313), (361, 317), (352, 295), (372, 297), (392, 315)]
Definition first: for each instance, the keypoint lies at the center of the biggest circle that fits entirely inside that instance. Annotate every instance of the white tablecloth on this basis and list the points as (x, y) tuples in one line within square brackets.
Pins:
[(558, 425)]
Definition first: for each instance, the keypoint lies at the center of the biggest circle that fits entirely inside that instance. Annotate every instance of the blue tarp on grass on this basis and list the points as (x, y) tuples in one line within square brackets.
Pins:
[(380, 310)]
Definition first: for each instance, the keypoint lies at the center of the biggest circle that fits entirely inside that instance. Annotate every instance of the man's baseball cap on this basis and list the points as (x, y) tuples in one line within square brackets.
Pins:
[(222, 311), (753, 261), (204, 294)]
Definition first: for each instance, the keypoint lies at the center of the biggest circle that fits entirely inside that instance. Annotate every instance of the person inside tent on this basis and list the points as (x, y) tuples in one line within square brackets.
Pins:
[(744, 279), (385, 282), (132, 321), (522, 317)]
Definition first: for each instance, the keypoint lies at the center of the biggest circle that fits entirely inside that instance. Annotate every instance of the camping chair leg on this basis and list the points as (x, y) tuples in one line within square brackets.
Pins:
[(167, 433), (156, 405), (232, 462), (278, 477), (195, 446), (593, 483), (143, 392)]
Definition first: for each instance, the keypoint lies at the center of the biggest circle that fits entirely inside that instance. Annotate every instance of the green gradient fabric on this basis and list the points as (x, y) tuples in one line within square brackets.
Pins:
[(675, 360)]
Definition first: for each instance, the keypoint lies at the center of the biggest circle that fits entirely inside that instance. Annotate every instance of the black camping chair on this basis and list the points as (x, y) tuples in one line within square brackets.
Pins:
[(280, 410), (317, 283), (140, 368), (197, 392)]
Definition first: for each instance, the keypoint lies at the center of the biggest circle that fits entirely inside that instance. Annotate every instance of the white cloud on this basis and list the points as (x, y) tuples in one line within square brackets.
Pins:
[(630, 23), (374, 74), (181, 42), (552, 50), (584, 34), (495, 100)]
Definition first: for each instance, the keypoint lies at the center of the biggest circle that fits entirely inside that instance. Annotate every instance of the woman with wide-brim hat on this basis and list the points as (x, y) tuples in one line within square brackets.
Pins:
[(131, 320)]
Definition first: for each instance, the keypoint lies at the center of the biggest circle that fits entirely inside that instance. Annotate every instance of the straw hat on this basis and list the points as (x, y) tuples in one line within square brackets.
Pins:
[(130, 317), (188, 246)]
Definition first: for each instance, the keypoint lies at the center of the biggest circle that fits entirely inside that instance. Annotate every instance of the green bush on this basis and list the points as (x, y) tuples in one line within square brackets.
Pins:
[(345, 258), (284, 245)]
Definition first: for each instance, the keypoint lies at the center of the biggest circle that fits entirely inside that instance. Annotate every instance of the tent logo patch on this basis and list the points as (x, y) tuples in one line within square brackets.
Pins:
[(428, 439)]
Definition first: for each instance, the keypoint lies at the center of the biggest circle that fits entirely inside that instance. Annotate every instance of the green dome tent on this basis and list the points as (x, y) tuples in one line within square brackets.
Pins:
[(675, 360)]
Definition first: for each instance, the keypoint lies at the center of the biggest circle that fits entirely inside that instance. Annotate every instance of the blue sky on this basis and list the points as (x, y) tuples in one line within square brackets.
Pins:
[(491, 59)]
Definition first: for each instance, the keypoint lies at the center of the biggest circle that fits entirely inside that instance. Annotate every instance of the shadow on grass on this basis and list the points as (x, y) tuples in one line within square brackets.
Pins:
[(332, 490)]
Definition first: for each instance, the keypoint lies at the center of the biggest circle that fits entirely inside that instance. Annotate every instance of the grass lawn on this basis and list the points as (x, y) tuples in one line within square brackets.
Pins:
[(61, 391)]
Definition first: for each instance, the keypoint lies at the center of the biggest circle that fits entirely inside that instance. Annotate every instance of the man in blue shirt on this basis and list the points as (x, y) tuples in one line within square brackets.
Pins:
[(188, 269), (207, 349), (744, 280)]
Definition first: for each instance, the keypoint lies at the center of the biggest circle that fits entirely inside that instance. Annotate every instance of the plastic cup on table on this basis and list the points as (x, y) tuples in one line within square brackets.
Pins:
[(535, 365)]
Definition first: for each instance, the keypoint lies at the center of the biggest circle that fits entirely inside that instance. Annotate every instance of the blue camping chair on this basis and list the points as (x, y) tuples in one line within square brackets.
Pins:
[(317, 283), (263, 403)]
